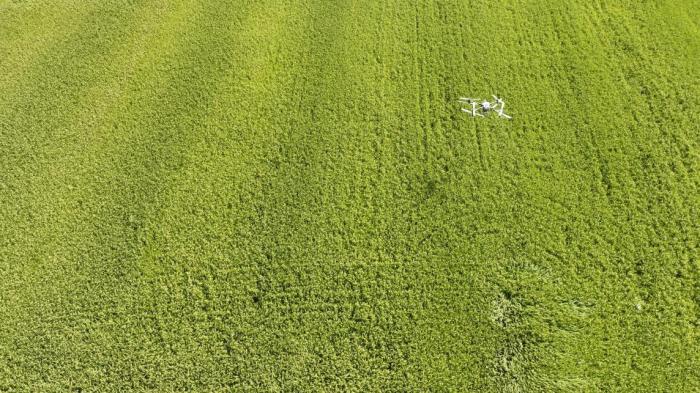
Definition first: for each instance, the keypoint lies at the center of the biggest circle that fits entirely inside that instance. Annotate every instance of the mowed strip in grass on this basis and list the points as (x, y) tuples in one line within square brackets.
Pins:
[(284, 196)]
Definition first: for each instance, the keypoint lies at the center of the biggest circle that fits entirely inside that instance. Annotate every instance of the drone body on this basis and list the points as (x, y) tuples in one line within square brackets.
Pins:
[(480, 109)]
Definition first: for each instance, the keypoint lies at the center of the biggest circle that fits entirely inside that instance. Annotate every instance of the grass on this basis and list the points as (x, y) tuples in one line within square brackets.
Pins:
[(283, 196)]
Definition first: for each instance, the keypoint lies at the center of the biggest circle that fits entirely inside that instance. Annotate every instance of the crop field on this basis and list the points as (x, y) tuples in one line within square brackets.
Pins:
[(284, 196)]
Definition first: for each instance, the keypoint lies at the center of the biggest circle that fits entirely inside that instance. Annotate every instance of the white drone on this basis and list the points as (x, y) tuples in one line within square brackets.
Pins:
[(484, 107)]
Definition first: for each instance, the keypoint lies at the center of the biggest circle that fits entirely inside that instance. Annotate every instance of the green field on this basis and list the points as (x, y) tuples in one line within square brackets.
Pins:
[(258, 195)]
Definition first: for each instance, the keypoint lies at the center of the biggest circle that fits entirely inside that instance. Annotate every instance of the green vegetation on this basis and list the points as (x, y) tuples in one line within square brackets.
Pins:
[(283, 196)]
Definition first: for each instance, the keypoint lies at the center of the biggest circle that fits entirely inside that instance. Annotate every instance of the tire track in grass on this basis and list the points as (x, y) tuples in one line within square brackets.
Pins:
[(304, 289), (303, 311), (362, 264), (447, 209), (481, 228), (341, 292), (266, 330), (454, 338), (301, 229), (374, 243), (82, 298)]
